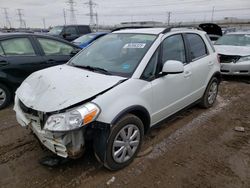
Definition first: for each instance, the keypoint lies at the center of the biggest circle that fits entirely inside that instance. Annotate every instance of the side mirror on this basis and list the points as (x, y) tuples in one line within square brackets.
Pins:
[(172, 67), (74, 52)]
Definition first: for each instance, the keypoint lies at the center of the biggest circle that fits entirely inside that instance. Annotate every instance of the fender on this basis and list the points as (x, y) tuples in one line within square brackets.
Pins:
[(137, 110)]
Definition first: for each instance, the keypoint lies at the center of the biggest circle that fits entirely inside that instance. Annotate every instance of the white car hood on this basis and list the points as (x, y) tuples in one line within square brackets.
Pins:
[(59, 87), (232, 50)]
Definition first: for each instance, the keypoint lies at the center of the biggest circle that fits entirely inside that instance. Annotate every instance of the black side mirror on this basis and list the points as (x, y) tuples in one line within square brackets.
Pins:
[(74, 52)]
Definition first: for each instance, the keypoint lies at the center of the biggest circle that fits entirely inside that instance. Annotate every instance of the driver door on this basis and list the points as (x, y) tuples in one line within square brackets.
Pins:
[(171, 92)]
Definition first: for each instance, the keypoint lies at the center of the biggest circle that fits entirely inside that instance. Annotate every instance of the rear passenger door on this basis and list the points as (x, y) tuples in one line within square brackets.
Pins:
[(201, 63), (55, 52), (19, 58)]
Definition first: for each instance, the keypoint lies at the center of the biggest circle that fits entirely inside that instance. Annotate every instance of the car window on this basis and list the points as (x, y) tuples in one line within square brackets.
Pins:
[(1, 51), (117, 53), (84, 29), (17, 46), (197, 46), (71, 30), (173, 49), (149, 72), (53, 47)]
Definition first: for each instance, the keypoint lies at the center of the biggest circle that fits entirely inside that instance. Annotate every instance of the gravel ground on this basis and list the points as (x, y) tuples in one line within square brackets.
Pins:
[(197, 148)]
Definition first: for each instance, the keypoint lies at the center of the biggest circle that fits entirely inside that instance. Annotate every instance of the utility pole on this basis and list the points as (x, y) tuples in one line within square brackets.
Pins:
[(64, 16), (44, 23), (97, 25), (20, 18), (169, 17), (212, 17), (91, 14), (6, 16), (72, 4)]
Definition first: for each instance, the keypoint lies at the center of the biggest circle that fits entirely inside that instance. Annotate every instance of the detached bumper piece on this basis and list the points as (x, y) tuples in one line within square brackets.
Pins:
[(65, 144)]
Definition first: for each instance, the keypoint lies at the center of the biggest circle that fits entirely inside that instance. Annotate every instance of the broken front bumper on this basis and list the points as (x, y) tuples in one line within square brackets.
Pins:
[(64, 144), (235, 69)]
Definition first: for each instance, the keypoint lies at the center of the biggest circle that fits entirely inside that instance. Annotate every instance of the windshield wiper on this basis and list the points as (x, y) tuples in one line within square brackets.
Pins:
[(94, 69)]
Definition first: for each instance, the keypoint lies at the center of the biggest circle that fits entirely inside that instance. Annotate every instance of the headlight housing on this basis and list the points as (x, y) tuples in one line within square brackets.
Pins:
[(244, 58), (73, 119)]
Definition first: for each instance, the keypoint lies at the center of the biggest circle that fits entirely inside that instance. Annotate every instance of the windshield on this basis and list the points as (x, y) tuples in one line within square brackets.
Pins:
[(56, 30), (234, 40), (84, 38), (118, 54)]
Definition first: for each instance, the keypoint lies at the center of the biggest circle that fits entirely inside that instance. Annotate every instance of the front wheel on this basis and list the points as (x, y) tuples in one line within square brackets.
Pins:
[(210, 94), (124, 142)]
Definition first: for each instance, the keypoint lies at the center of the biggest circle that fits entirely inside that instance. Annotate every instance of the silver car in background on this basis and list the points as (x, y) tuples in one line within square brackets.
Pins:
[(234, 51)]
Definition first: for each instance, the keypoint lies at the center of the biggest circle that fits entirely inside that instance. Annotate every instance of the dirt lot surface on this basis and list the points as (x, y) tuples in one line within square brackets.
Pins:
[(198, 148)]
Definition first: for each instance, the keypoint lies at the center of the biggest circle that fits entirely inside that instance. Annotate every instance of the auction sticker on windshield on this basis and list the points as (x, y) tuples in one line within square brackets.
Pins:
[(134, 45)]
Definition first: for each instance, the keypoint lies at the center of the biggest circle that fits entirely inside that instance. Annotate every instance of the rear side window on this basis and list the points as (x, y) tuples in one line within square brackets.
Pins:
[(84, 29), (71, 30), (197, 46), (53, 47), (17, 46)]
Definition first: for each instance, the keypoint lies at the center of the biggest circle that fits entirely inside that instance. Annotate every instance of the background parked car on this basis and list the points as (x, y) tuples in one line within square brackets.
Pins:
[(234, 50), (85, 40), (213, 30), (22, 54), (69, 32)]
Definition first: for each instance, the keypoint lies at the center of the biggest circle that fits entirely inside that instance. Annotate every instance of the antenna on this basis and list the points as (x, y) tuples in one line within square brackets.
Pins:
[(72, 4)]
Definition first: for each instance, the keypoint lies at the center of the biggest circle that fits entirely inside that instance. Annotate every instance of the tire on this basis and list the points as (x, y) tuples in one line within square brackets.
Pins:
[(210, 94), (5, 96), (118, 156)]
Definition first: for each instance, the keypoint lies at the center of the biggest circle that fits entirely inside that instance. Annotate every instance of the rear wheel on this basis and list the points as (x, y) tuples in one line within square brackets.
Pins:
[(124, 142), (5, 96), (210, 94)]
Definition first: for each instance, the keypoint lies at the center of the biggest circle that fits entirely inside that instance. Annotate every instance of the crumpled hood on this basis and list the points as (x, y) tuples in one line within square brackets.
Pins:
[(232, 50), (59, 87)]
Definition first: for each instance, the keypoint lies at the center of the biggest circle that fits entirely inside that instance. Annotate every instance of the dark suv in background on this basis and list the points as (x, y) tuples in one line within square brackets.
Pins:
[(69, 32)]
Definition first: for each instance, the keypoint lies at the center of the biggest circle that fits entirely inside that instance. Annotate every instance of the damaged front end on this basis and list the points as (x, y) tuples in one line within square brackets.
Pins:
[(229, 58), (235, 64), (61, 132)]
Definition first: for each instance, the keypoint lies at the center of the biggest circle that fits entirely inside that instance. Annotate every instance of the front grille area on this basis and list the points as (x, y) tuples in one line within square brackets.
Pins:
[(42, 116), (28, 110), (228, 58)]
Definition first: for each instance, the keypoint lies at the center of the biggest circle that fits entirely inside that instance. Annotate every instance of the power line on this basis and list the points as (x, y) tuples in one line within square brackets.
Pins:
[(20, 18), (6, 16), (72, 4), (91, 13)]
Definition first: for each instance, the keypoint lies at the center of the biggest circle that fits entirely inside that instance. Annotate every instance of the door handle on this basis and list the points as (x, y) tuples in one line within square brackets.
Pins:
[(3, 63), (187, 74)]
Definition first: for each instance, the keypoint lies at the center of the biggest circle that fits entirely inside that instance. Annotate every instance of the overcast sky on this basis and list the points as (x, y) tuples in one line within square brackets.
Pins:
[(116, 11)]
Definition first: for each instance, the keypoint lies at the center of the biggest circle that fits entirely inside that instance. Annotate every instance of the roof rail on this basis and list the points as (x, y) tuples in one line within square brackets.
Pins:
[(130, 27), (168, 29)]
